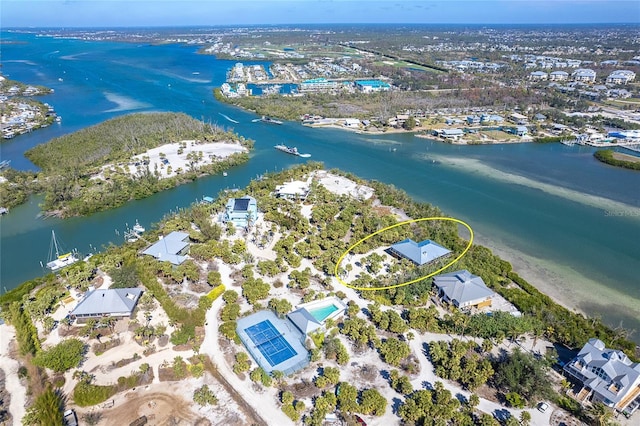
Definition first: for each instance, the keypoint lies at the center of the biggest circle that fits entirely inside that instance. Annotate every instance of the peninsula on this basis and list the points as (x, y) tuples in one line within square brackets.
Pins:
[(230, 312)]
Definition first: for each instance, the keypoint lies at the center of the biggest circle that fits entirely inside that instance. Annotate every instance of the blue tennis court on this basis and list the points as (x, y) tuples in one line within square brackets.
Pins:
[(273, 346)]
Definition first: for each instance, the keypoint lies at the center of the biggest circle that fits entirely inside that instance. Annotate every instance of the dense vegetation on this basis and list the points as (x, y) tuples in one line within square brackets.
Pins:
[(17, 187), (392, 315), (69, 163), (607, 156)]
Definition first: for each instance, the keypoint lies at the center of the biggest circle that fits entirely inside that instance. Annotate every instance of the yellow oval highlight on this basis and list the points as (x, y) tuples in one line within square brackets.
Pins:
[(450, 219)]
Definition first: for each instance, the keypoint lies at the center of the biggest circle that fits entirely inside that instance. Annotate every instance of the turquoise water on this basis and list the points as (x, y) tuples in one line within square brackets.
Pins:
[(323, 313), (553, 206)]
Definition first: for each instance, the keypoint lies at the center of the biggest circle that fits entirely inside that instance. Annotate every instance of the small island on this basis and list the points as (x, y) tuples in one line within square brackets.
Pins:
[(129, 157), (230, 312)]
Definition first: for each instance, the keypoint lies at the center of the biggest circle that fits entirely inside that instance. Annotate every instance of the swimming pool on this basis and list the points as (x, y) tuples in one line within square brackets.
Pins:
[(321, 314)]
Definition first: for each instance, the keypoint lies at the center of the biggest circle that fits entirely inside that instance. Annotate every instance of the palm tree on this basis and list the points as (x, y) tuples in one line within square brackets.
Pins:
[(600, 414)]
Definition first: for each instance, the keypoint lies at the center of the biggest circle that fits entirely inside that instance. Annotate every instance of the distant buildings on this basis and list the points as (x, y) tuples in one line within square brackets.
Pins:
[(318, 85), (119, 302), (421, 253), (607, 376), (463, 290), (584, 75), (559, 76), (368, 86), (172, 248), (241, 211), (621, 77), (538, 76)]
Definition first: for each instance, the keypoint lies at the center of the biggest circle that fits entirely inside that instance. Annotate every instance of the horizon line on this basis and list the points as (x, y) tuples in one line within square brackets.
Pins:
[(4, 28)]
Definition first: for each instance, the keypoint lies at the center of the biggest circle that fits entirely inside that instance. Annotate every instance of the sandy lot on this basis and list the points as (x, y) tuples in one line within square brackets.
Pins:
[(171, 159)]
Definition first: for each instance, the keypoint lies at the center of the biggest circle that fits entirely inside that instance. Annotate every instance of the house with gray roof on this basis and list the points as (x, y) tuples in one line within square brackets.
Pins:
[(117, 302), (421, 253), (463, 290), (171, 248), (607, 376), (304, 321)]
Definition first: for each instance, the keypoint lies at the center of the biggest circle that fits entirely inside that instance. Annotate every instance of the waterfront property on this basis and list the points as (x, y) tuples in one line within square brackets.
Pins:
[(171, 248), (295, 190), (275, 344), (463, 290), (421, 253), (118, 302), (607, 376), (241, 211), (312, 316)]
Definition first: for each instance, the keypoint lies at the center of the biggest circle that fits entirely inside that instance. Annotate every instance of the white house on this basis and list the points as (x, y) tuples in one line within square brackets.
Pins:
[(585, 75), (607, 376), (621, 77)]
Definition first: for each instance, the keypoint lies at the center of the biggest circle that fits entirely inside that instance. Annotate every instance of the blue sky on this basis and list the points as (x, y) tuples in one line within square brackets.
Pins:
[(105, 13)]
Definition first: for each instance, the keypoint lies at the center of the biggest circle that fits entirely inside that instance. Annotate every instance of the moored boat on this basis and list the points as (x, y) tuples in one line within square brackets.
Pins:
[(291, 150), (60, 260), (270, 120)]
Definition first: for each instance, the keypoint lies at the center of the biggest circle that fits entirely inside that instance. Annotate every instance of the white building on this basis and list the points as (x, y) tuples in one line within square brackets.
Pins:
[(585, 75), (621, 77), (559, 76)]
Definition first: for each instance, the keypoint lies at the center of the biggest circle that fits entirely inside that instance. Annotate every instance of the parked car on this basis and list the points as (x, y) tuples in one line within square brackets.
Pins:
[(70, 418), (543, 406)]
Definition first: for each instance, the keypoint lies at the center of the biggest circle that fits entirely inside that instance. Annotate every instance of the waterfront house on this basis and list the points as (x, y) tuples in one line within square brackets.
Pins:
[(421, 253), (463, 290), (241, 212), (352, 123), (518, 130), (118, 302), (518, 118), (296, 190), (171, 248), (453, 134), (607, 376), (473, 119)]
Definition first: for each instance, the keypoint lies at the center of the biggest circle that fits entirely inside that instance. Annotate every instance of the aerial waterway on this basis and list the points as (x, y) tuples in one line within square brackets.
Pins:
[(563, 218)]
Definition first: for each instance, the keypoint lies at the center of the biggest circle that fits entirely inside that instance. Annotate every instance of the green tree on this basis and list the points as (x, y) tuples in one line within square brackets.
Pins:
[(372, 402), (204, 396), (393, 351), (600, 414), (347, 398), (62, 357), (46, 409)]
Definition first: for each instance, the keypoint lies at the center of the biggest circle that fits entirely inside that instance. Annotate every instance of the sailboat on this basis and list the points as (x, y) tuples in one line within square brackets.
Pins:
[(60, 260)]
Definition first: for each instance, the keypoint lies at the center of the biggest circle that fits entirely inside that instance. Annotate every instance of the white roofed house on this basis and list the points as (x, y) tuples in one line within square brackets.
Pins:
[(296, 190), (585, 75), (171, 248), (621, 77), (118, 302), (607, 376), (538, 76), (559, 76), (463, 290)]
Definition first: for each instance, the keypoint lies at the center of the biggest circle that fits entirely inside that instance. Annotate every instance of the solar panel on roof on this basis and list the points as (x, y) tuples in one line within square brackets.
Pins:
[(241, 204)]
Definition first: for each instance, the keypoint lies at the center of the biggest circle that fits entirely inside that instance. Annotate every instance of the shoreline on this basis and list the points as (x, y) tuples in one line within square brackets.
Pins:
[(416, 133)]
